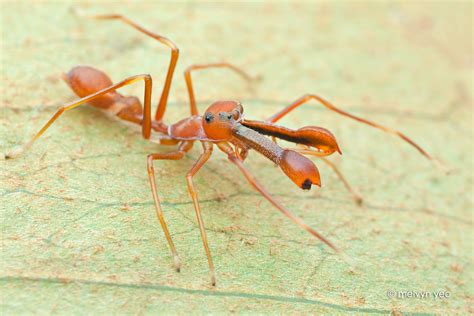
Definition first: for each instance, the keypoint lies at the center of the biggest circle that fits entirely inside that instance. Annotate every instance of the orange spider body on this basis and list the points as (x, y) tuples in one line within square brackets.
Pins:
[(221, 125), (222, 122)]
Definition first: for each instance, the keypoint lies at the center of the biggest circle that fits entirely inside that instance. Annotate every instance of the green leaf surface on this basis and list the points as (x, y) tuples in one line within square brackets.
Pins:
[(79, 233)]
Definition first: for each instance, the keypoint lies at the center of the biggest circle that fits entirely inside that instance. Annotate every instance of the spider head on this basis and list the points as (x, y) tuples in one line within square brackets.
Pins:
[(220, 118)]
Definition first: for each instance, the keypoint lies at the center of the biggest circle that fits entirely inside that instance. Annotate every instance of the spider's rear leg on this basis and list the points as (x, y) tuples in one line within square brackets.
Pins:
[(145, 122), (86, 80), (161, 109)]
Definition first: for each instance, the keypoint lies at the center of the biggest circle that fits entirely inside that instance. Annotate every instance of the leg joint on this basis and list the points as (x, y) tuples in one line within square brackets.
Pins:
[(147, 77), (149, 160), (309, 96)]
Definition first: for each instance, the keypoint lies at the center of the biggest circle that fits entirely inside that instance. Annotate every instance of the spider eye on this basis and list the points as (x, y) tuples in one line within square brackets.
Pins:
[(208, 117), (229, 116)]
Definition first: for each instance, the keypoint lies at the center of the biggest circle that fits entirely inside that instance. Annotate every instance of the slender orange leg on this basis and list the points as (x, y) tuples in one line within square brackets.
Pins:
[(250, 178), (356, 197), (160, 111), (276, 117), (146, 124), (176, 155), (192, 191), (189, 83)]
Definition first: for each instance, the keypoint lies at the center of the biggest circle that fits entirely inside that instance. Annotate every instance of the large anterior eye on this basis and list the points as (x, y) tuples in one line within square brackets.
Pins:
[(208, 117)]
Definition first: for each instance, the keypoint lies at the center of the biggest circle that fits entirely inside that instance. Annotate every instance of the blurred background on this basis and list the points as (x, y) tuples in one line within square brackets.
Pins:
[(78, 227)]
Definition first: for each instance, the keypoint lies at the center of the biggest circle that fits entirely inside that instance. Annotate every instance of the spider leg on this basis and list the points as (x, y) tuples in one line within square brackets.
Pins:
[(355, 196), (308, 97), (192, 191), (175, 155), (146, 124), (253, 181), (189, 82), (160, 111)]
